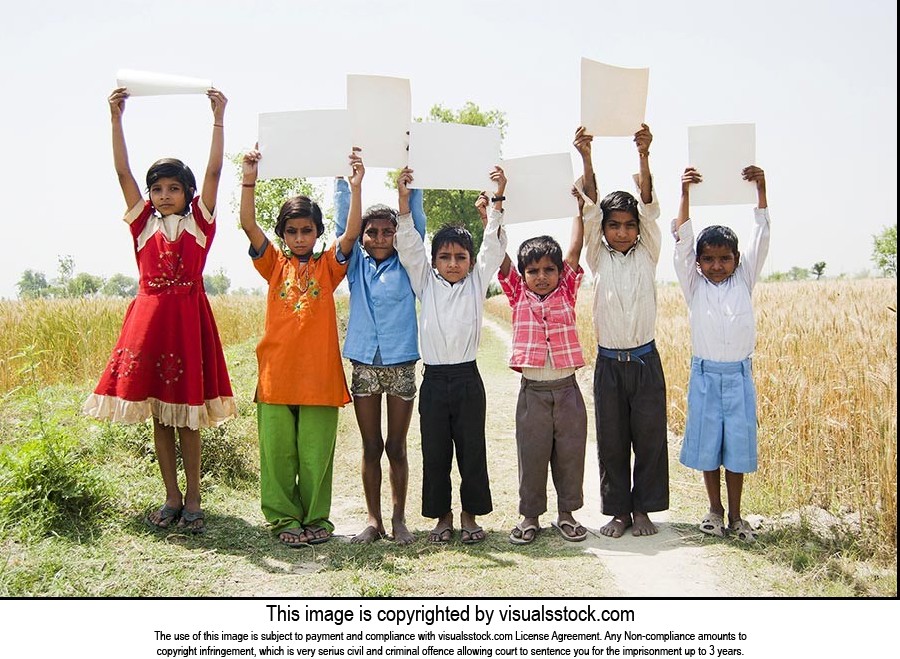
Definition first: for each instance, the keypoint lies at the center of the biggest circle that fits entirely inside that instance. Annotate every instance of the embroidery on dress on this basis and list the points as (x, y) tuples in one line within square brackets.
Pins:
[(171, 267), (169, 367), (296, 293), (123, 362)]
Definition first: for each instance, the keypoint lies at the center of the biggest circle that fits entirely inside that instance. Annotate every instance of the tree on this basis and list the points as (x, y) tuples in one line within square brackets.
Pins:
[(798, 274), (33, 284), (83, 285), (456, 206), (120, 285), (884, 251), (818, 269), (217, 283)]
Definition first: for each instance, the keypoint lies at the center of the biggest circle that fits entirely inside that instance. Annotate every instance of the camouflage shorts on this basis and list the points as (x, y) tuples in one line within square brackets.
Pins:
[(398, 380)]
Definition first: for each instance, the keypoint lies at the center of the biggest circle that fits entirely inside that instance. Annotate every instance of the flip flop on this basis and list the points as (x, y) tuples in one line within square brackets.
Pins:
[(293, 544), (466, 535), (440, 536), (187, 520), (167, 514), (312, 533), (518, 535), (713, 524), (574, 536)]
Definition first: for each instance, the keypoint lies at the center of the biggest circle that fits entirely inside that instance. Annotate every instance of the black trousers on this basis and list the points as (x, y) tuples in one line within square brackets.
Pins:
[(452, 408), (630, 410)]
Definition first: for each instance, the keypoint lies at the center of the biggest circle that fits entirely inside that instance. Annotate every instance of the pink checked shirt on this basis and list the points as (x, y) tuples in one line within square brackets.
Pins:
[(542, 326)]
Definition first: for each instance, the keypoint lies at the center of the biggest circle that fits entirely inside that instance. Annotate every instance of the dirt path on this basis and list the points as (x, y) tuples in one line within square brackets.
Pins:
[(662, 565)]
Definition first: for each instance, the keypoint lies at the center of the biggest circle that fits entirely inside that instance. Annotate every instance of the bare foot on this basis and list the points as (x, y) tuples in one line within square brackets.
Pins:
[(616, 527), (367, 536), (401, 534), (643, 525)]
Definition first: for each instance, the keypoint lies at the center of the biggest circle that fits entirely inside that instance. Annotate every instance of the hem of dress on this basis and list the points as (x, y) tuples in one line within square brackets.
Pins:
[(213, 412)]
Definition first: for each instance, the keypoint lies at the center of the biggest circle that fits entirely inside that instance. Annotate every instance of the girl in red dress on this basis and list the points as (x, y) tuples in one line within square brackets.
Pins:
[(168, 362)]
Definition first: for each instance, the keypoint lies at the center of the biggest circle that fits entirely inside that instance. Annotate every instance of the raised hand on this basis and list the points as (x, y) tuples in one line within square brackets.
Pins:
[(117, 102), (642, 139), (582, 142), (578, 198), (217, 103), (755, 175), (403, 180), (250, 165), (689, 178), (357, 167), (499, 178), (481, 205)]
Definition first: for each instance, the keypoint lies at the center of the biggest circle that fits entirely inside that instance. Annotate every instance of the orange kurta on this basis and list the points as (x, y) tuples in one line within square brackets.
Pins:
[(299, 356)]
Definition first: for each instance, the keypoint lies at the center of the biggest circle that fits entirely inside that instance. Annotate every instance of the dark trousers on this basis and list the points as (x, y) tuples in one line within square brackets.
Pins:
[(630, 410), (551, 431), (452, 408)]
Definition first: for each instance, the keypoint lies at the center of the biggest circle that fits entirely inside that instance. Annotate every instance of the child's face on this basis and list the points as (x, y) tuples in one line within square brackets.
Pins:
[(168, 196), (621, 230), (300, 235), (378, 239), (542, 276), (717, 262), (452, 262)]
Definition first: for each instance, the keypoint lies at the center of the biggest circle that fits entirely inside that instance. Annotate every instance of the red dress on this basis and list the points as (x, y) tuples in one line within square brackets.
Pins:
[(168, 361)]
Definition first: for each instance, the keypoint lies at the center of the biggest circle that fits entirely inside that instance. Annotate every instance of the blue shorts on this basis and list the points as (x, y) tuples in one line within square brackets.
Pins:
[(721, 417)]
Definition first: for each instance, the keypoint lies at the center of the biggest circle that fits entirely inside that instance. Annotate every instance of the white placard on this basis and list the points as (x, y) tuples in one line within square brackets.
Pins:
[(613, 99), (720, 153), (304, 143), (453, 156), (538, 188), (380, 111), (147, 83)]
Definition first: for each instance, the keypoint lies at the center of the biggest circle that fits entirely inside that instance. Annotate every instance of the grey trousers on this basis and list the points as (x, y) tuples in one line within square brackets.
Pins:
[(551, 430)]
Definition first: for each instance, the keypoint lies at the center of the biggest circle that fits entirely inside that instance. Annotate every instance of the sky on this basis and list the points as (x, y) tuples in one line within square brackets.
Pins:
[(818, 78)]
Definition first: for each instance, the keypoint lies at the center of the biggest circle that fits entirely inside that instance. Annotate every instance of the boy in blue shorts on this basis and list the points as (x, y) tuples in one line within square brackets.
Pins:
[(717, 281)]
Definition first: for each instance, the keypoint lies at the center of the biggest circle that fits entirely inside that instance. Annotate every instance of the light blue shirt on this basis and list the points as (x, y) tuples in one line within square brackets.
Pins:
[(382, 327)]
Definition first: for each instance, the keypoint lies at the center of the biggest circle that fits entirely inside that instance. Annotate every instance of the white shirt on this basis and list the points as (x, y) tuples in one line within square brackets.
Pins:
[(451, 314), (624, 284), (723, 328)]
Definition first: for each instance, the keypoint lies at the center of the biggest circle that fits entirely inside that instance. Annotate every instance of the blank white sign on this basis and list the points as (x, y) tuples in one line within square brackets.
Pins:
[(453, 156), (613, 99), (147, 83), (538, 188), (304, 143), (720, 153), (379, 116)]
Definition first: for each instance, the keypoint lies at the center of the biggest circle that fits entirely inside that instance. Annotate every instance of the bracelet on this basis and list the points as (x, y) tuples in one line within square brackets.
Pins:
[(496, 199), (219, 125), (643, 155), (248, 185)]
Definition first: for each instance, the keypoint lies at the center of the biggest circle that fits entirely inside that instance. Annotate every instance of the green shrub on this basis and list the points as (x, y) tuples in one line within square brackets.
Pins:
[(47, 487)]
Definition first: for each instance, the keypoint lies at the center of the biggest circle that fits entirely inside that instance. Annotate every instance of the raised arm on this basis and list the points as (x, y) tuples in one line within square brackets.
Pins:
[(354, 218), (689, 178), (582, 144), (481, 205), (576, 241), (210, 189), (642, 140), (130, 189), (249, 174), (408, 242), (755, 175)]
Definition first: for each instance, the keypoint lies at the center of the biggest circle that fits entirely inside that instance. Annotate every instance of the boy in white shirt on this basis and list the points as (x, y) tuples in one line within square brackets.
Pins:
[(717, 281), (452, 286)]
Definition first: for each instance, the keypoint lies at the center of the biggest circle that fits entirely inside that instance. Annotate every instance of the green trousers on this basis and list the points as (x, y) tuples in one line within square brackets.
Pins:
[(296, 461)]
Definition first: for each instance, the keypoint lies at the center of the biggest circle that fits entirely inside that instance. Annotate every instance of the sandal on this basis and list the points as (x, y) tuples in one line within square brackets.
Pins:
[(298, 538), (743, 531), (314, 537), (576, 532), (713, 524), (167, 514), (187, 522), (440, 536), (467, 536), (520, 534)]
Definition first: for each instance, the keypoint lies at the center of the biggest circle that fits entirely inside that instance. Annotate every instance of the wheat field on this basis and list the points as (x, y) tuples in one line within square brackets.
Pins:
[(825, 370)]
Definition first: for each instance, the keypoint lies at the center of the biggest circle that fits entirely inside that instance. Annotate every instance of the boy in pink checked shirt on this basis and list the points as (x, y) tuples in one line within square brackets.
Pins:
[(551, 421)]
